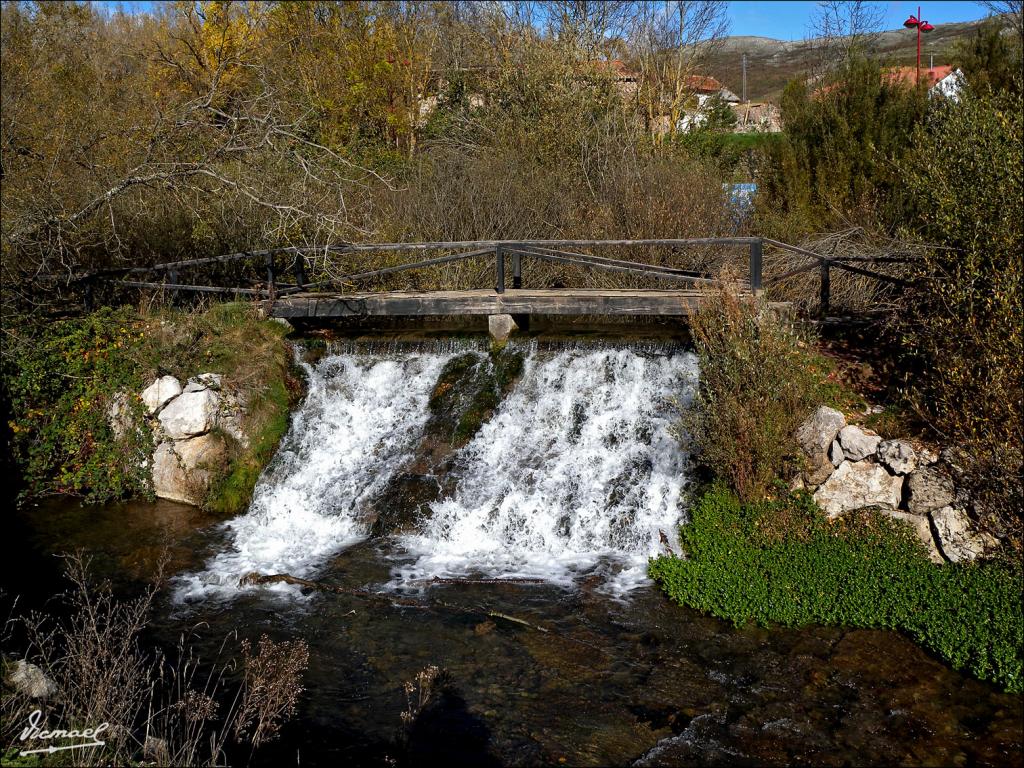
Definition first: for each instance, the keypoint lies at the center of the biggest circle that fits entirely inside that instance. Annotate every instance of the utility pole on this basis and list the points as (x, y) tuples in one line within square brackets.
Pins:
[(744, 78)]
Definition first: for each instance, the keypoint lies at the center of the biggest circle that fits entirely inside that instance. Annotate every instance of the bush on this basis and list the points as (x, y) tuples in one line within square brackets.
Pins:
[(61, 379), (757, 384), (964, 319), (784, 562), (834, 163)]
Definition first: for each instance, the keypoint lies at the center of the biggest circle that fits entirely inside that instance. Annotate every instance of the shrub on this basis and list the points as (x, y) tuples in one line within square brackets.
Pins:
[(62, 378), (784, 562), (757, 384), (964, 319)]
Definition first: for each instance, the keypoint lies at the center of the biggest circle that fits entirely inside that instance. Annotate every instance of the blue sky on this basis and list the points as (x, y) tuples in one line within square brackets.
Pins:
[(790, 19), (785, 19)]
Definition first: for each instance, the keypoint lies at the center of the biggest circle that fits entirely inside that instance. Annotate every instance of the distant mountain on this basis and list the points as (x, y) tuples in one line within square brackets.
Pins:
[(773, 63)]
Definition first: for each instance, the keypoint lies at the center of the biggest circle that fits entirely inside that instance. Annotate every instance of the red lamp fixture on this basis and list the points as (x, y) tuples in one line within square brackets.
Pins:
[(922, 26)]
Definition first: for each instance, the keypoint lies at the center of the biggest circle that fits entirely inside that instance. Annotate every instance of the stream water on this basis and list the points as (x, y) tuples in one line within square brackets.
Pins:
[(568, 486)]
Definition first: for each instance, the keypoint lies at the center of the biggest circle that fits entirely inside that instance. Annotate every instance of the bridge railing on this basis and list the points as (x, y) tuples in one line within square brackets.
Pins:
[(508, 256)]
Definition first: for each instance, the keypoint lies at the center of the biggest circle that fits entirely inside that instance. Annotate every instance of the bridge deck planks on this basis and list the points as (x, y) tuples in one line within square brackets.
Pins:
[(488, 302)]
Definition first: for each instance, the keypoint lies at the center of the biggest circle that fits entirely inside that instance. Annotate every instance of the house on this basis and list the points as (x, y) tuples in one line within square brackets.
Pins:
[(940, 81)]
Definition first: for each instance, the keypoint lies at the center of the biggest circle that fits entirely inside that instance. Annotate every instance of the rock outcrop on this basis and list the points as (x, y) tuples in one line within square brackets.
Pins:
[(815, 437), (929, 488), (188, 449), (955, 538), (897, 455), (858, 443), (30, 681), (855, 485), (159, 393), (848, 468)]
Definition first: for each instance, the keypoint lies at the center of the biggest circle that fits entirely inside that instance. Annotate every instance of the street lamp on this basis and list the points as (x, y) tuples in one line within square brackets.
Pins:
[(922, 26)]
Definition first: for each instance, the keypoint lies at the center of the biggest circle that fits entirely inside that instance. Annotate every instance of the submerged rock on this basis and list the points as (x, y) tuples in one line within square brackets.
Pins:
[(855, 485), (815, 437), (159, 393)]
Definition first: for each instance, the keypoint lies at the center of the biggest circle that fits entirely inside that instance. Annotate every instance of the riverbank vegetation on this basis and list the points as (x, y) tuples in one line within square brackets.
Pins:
[(67, 379), (782, 562), (89, 666)]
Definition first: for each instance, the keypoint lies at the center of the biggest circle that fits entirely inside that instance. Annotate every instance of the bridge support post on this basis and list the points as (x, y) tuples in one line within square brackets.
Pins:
[(499, 260)]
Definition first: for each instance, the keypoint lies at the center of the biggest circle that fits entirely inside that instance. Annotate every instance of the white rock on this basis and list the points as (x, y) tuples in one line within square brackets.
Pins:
[(501, 326), (855, 485), (897, 455), (814, 437), (159, 393), (182, 468), (858, 443), (194, 386), (923, 530), (31, 681), (955, 538), (231, 418), (190, 414), (835, 454)]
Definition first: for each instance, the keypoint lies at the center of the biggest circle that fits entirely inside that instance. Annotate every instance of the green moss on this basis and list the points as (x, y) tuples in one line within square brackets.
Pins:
[(784, 562)]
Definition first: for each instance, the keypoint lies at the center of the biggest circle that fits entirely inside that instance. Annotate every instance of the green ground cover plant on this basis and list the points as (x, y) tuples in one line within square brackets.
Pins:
[(783, 562)]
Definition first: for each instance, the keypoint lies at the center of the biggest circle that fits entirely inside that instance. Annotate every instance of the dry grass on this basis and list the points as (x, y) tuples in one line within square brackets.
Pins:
[(180, 711)]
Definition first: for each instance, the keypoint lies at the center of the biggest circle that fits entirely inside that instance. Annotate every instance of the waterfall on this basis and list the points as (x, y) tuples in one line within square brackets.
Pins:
[(575, 471)]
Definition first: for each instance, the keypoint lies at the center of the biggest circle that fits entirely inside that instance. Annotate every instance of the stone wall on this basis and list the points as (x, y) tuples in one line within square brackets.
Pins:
[(848, 468)]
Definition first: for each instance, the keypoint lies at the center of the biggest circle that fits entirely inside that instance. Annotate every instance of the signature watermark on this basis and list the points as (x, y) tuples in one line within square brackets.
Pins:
[(35, 732)]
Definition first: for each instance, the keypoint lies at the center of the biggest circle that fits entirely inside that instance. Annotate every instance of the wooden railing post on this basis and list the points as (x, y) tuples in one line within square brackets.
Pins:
[(300, 271), (756, 249), (517, 270), (499, 258), (271, 277), (826, 289), (172, 275)]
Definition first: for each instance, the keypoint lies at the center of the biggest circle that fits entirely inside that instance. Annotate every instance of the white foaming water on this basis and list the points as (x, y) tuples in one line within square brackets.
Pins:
[(362, 417), (577, 467)]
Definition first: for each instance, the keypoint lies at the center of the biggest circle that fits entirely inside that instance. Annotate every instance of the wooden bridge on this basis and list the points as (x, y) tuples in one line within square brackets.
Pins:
[(291, 295)]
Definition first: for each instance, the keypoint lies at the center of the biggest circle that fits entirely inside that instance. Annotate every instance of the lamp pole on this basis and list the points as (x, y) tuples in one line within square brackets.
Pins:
[(922, 26)]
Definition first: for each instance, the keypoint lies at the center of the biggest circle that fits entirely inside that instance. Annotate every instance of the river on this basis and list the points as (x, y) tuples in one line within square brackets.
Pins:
[(576, 659)]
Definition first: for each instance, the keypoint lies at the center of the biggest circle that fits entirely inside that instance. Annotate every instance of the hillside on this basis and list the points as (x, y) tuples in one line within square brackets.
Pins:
[(772, 63)]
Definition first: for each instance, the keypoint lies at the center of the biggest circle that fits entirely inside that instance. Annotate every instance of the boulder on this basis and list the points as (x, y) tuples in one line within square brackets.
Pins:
[(835, 454), (814, 437), (190, 414), (897, 455), (159, 393), (231, 418), (928, 489), (923, 530), (501, 327), (194, 386), (182, 469), (29, 680), (858, 443), (955, 538), (855, 485)]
